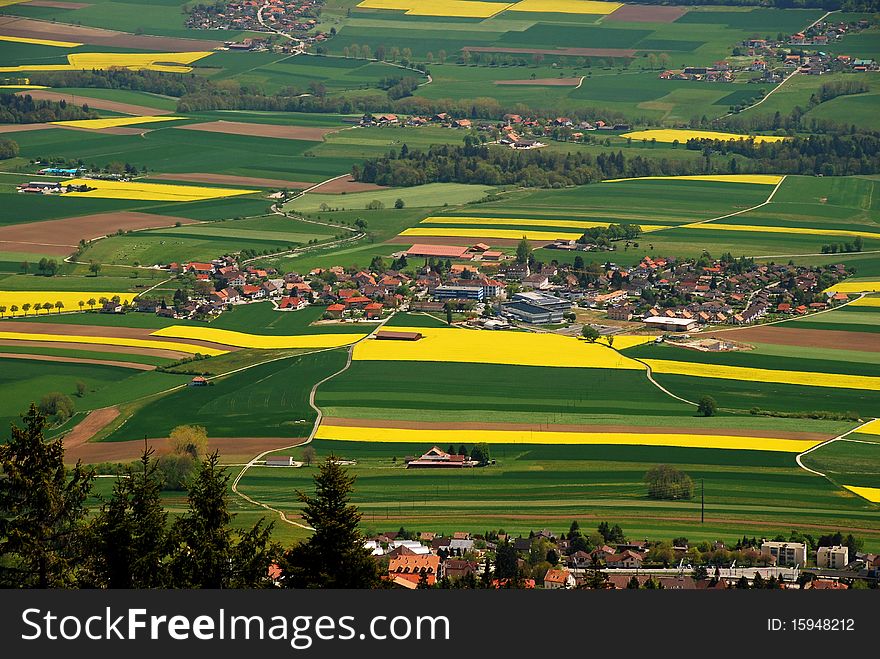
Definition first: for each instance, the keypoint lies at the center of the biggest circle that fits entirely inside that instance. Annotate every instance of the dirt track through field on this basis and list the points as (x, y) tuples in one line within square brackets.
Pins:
[(62, 236), (277, 131), (13, 26), (61, 329), (20, 128), (230, 179), (93, 103), (646, 14), (231, 449), (806, 338), (78, 360), (123, 350), (544, 82), (86, 429), (349, 185), (538, 427)]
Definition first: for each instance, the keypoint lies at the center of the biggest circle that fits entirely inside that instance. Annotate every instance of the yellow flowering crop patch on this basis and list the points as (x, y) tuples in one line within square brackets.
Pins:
[(804, 378), (242, 340), (458, 8), (70, 299), (526, 222), (425, 436), (872, 494), (566, 6), (23, 87), (856, 286), (866, 302), (758, 179), (165, 62), (40, 42), (871, 428), (442, 344), (151, 191), (770, 229), (113, 122), (112, 341), (683, 135), (507, 234)]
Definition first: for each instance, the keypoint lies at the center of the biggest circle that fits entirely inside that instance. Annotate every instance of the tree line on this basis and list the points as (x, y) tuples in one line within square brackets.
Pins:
[(53, 535), (829, 155), (24, 109)]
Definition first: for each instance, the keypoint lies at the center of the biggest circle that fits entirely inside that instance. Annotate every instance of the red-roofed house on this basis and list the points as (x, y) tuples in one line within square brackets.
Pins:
[(556, 579), (336, 310), (291, 303), (373, 310)]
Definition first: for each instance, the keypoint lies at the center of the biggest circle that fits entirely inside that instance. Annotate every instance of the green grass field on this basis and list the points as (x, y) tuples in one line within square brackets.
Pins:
[(269, 400)]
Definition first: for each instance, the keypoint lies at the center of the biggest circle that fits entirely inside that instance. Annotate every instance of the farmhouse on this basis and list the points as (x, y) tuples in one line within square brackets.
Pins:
[(438, 458), (438, 251)]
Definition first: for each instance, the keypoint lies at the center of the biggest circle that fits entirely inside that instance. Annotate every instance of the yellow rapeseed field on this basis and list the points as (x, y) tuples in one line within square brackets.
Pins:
[(458, 8), (450, 344), (712, 226), (151, 191), (111, 341), (682, 135), (165, 62), (113, 122), (40, 42), (525, 222), (759, 179), (70, 299), (872, 494), (23, 87), (508, 234), (624, 341), (871, 428), (856, 286), (566, 6), (443, 437), (866, 302), (242, 340), (805, 378)]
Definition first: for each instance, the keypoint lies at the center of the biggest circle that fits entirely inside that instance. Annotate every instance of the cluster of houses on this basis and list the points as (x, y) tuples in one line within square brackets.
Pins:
[(513, 130), (49, 187), (715, 293), (775, 58), (412, 560), (284, 15)]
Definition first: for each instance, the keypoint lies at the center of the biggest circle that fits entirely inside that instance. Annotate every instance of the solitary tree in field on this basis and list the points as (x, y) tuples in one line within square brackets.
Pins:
[(94, 268), (590, 333), (81, 305), (665, 482), (309, 455), (59, 305), (26, 307), (2, 311), (13, 309), (707, 406), (91, 303), (47, 306), (189, 440)]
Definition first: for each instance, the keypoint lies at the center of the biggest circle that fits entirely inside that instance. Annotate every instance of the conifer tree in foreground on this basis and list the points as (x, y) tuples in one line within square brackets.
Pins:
[(334, 556), (41, 509)]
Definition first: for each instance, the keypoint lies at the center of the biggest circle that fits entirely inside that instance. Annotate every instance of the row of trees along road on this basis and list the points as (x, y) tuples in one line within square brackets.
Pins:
[(51, 538)]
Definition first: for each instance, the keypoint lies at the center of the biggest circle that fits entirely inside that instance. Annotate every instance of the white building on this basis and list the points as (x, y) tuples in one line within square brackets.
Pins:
[(835, 558), (414, 546), (785, 553)]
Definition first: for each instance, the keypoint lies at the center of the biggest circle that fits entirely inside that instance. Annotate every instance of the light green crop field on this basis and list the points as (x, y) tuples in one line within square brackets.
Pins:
[(430, 195), (533, 486)]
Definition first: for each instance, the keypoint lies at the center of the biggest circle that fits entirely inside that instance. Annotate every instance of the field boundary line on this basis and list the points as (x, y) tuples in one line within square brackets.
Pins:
[(841, 437), (314, 431)]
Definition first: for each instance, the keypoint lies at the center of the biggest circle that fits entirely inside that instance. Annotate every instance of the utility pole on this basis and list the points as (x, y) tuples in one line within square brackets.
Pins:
[(702, 500)]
